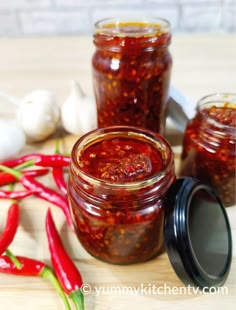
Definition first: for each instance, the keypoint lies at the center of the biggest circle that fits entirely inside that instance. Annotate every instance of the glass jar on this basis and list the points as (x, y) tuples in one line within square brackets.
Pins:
[(131, 72), (119, 177), (209, 145)]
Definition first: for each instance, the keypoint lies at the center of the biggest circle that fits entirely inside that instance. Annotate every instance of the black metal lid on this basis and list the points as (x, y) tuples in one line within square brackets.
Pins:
[(197, 234)]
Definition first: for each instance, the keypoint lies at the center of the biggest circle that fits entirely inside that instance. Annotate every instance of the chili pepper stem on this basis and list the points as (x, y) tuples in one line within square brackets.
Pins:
[(57, 146), (13, 258), (15, 173), (26, 164), (78, 299), (47, 273)]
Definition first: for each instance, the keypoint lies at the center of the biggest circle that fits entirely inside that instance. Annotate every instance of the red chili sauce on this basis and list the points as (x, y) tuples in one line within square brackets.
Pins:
[(119, 217), (209, 150), (121, 160), (131, 76)]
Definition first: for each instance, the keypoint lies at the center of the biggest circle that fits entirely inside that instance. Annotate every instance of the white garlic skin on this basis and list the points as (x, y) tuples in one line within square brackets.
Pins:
[(78, 112), (12, 140), (38, 114)]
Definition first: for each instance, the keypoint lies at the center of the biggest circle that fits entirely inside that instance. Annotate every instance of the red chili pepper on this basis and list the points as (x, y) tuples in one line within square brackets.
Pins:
[(6, 178), (42, 192), (65, 269), (55, 160), (49, 195), (58, 172), (10, 228), (15, 194), (58, 176), (32, 267)]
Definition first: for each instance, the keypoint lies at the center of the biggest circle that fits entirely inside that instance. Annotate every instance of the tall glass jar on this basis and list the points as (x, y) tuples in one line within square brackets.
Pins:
[(131, 72), (209, 145), (119, 177)]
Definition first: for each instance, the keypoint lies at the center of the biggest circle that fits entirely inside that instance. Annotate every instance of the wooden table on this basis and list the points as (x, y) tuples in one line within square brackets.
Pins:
[(203, 64)]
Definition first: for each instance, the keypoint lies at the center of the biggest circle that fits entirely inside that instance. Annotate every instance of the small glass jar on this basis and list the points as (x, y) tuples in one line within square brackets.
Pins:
[(209, 145), (131, 72), (119, 177)]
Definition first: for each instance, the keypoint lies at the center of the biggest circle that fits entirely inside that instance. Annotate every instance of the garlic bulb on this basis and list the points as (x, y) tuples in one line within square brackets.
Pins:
[(78, 112), (38, 114), (12, 140)]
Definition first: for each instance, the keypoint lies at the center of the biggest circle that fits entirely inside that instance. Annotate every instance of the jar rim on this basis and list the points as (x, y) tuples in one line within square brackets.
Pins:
[(116, 26), (219, 99), (148, 135)]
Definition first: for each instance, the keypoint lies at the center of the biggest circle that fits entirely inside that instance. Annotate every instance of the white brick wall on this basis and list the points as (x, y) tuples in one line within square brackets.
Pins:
[(8, 23), (69, 17), (201, 17), (24, 4), (229, 15), (54, 22)]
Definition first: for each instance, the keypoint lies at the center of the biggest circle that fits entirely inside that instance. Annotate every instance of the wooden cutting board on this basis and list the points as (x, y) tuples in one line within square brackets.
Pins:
[(150, 285)]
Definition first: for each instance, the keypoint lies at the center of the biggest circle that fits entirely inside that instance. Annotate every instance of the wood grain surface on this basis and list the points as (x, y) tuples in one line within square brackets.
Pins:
[(202, 64)]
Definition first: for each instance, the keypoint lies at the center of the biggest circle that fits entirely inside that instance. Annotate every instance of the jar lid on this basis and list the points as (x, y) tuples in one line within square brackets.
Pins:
[(197, 234)]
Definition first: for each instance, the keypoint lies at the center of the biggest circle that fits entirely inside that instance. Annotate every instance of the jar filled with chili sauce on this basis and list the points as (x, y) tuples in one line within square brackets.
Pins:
[(131, 72), (119, 176), (209, 145)]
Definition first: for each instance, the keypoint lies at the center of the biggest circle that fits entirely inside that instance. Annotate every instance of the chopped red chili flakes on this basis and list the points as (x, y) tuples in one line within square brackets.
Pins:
[(121, 160), (121, 236), (209, 150), (121, 218), (225, 115), (131, 75)]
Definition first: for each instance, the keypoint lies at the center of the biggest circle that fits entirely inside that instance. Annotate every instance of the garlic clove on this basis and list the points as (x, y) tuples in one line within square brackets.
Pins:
[(38, 114), (70, 114), (88, 121), (78, 112), (12, 140)]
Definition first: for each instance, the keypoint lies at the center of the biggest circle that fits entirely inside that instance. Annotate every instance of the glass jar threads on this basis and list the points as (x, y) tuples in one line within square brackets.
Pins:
[(131, 72), (119, 177), (209, 146)]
